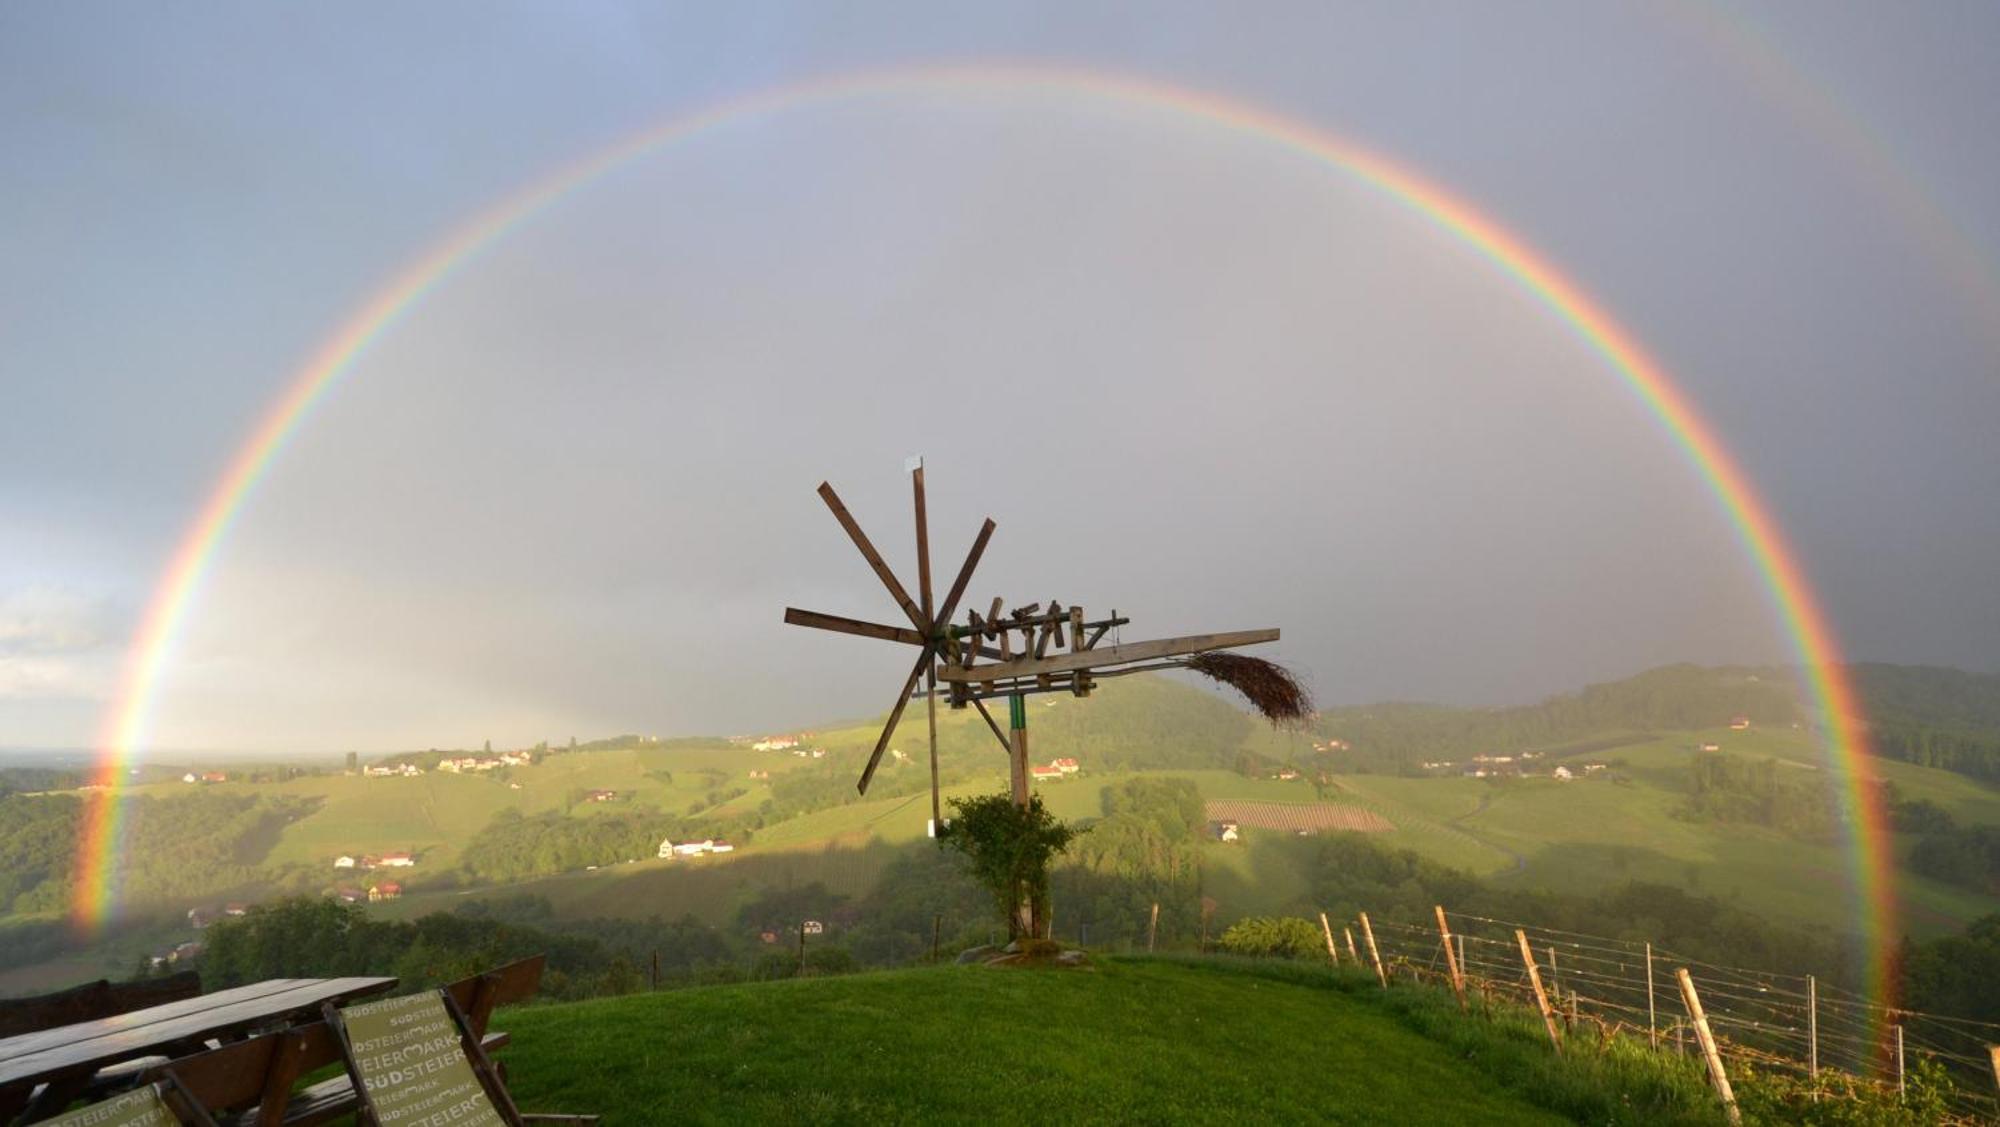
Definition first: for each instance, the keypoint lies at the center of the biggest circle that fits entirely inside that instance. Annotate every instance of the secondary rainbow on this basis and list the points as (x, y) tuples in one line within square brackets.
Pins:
[(1807, 630)]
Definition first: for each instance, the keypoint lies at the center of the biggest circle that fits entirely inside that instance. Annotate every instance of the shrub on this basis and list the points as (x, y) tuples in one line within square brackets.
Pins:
[(1283, 936)]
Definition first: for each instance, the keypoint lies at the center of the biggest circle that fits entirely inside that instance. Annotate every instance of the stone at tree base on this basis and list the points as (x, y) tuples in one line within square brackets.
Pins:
[(978, 954)]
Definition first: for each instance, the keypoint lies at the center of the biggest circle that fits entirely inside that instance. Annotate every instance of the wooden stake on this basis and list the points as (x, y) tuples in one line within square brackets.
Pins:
[(1541, 996), (1351, 953), (1993, 1057), (1899, 1062), (1709, 1053), (655, 982), (1652, 1020), (1332, 953), (937, 934), (1374, 956), (1812, 1034), (1450, 957), (1153, 927)]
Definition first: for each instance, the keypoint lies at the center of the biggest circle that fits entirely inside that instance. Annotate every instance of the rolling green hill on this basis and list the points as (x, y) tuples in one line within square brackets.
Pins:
[(804, 824), (1124, 1041)]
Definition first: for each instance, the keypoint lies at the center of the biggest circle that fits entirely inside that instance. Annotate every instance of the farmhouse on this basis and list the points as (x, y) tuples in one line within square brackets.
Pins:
[(1066, 766), (190, 777), (1711, 747), (214, 777), (344, 861), (396, 861), (1288, 774), (760, 774), (1562, 774), (1739, 723), (1226, 831), (666, 849), (348, 894), (775, 743), (1043, 774), (720, 846), (602, 796), (387, 890)]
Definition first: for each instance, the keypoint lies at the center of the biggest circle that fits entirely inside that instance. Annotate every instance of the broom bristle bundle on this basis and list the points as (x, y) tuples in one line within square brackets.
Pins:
[(1270, 688)]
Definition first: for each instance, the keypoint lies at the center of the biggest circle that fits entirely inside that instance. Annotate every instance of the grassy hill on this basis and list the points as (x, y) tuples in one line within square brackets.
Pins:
[(1126, 1040)]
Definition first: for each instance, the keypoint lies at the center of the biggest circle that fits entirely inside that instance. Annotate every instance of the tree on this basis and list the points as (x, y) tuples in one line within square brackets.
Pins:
[(1009, 848)]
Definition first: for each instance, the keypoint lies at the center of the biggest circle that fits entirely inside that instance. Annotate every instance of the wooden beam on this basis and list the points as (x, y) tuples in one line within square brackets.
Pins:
[(1114, 655), (796, 617), (873, 557), (895, 714), (923, 541), (965, 571), (997, 733)]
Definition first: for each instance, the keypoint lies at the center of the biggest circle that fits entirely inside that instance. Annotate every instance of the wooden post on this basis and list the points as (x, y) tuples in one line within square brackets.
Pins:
[(1812, 1034), (1652, 1019), (1332, 953), (1450, 957), (1993, 1057), (937, 933), (1541, 996), (655, 983), (802, 946), (1899, 1062), (1153, 927), (1374, 956), (1709, 1052), (1017, 731), (1555, 981), (1348, 932)]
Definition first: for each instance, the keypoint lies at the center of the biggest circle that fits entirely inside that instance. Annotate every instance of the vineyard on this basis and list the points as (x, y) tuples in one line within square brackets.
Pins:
[(1822, 1041), (1300, 817)]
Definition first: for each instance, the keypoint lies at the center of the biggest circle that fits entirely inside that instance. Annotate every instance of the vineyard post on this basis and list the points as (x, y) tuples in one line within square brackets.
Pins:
[(1374, 955), (1152, 927), (1450, 957), (1652, 1019), (1812, 1034), (654, 982), (1555, 979), (1899, 1062), (1351, 952), (1993, 1057), (937, 933), (1332, 953), (1709, 1052), (1535, 981)]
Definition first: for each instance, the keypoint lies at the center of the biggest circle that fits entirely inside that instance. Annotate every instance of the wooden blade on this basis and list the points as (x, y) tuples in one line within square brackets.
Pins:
[(895, 714), (873, 557), (796, 617), (1110, 655), (923, 543), (965, 572)]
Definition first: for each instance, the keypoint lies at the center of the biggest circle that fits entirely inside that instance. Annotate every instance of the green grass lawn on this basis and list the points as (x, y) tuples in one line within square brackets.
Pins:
[(1126, 1041)]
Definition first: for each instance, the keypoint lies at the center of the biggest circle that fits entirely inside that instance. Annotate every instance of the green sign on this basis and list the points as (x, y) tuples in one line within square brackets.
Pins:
[(141, 1107), (412, 1064)]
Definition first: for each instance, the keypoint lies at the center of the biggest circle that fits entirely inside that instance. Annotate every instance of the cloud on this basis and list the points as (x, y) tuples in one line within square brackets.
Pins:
[(56, 644)]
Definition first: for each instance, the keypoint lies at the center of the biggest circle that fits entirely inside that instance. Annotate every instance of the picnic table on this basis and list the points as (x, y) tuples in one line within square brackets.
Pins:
[(66, 1057)]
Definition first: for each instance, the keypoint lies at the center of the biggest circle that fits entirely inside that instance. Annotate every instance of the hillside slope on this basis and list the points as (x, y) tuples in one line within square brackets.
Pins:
[(1125, 1041)]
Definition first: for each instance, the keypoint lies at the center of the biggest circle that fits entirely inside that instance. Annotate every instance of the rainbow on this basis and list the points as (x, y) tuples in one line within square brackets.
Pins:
[(1809, 634)]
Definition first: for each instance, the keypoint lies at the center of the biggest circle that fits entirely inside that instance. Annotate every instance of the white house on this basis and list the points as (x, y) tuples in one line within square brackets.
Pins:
[(666, 849), (1562, 774), (397, 860), (721, 846), (343, 862), (1227, 831)]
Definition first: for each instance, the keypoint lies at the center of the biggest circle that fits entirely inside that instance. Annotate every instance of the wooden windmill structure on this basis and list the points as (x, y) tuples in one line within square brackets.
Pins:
[(1030, 649)]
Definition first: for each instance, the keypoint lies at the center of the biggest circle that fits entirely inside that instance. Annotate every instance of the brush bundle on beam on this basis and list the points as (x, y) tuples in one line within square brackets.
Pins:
[(1270, 688)]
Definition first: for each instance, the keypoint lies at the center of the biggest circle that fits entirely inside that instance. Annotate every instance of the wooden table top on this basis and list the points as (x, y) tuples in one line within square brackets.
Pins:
[(92, 1045)]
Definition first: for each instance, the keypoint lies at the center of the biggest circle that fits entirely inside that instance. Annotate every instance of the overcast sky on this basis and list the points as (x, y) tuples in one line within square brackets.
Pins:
[(1192, 374)]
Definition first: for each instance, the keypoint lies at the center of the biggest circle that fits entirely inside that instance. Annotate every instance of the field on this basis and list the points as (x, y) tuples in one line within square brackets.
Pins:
[(1300, 817), (1125, 1041)]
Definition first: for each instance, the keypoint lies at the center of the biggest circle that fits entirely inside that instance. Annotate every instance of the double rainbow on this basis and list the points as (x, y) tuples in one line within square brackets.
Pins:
[(1810, 636)]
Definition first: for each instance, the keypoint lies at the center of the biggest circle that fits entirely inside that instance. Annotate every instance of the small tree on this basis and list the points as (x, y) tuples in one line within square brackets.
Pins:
[(1009, 848)]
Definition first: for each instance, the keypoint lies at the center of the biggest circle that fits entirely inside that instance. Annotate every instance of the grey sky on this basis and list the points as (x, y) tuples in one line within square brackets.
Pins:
[(1191, 374)]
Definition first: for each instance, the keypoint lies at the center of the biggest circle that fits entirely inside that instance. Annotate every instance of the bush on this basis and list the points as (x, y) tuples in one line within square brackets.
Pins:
[(1286, 937)]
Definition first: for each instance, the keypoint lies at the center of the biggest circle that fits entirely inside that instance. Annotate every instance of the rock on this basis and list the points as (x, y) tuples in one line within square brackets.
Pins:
[(1071, 958), (1012, 948), (976, 955)]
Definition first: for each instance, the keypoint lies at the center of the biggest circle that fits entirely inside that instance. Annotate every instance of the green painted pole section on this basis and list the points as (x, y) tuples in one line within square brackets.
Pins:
[(1017, 712)]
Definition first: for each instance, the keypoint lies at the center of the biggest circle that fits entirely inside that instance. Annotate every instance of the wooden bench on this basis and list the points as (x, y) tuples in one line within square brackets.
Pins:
[(250, 1083)]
